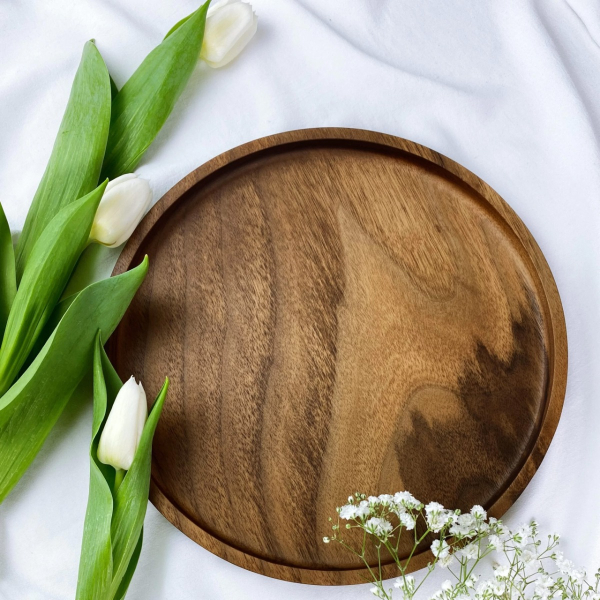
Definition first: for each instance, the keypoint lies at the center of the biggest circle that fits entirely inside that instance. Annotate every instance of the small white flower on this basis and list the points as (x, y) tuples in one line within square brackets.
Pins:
[(386, 499), (125, 201), (326, 540), (408, 521), (378, 527), (437, 517), (566, 567), (522, 536), (446, 561), (230, 25), (374, 500), (123, 429), (447, 585), (407, 500), (502, 531), (578, 575), (440, 548), (470, 551), (376, 592), (405, 583), (347, 512), (433, 507), (496, 543), (544, 582), (483, 587), (497, 587), (464, 525), (363, 510), (541, 593), (529, 555), (501, 571), (471, 581), (478, 512)]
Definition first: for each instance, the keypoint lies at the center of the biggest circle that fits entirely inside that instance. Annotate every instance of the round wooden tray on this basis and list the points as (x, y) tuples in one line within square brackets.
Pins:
[(338, 310)]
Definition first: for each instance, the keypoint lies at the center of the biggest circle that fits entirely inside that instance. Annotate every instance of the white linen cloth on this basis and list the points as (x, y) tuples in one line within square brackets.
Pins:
[(508, 88)]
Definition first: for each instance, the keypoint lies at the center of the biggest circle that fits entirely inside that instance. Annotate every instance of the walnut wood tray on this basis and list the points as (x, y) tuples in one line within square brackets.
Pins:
[(338, 310)]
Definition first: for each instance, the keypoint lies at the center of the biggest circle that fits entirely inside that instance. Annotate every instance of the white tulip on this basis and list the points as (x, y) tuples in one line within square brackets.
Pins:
[(230, 25), (122, 431), (125, 201)]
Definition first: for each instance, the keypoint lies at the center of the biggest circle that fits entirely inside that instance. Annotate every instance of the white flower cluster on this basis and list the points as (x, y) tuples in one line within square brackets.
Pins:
[(373, 513), (529, 569)]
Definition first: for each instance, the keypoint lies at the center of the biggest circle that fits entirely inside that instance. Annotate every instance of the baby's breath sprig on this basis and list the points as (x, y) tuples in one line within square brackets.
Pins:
[(526, 568)]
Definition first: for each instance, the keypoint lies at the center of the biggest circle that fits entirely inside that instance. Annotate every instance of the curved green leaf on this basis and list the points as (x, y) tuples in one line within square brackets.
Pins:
[(31, 407), (177, 26), (76, 158), (143, 104), (95, 565), (96, 262), (124, 585), (48, 270), (8, 280), (114, 520)]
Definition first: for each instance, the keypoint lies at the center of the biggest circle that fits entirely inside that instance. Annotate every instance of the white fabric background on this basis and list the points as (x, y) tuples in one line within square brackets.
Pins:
[(508, 88)]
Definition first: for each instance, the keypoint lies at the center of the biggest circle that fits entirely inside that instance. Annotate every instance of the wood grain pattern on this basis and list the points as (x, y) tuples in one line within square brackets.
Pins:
[(338, 310)]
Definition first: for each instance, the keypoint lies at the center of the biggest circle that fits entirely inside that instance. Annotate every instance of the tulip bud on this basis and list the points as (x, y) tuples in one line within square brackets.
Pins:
[(230, 25), (125, 201), (123, 429)]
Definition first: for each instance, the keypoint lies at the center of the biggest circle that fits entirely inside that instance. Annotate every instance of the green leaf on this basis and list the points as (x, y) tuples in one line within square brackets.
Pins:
[(31, 407), (124, 586), (177, 26), (96, 263), (46, 275), (95, 565), (142, 106), (76, 158), (114, 90), (127, 510), (8, 280), (131, 499)]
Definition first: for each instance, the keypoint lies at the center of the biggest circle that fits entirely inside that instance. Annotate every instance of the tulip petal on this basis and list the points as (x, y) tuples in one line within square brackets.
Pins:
[(120, 437), (227, 32), (122, 208)]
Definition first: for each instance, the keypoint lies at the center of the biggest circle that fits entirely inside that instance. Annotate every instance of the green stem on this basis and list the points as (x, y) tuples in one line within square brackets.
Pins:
[(119, 475)]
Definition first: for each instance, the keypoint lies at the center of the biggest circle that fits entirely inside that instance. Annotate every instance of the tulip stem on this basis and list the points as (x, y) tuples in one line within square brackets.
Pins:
[(119, 474)]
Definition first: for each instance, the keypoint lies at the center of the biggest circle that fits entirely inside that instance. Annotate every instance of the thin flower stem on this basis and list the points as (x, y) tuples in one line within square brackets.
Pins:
[(119, 476)]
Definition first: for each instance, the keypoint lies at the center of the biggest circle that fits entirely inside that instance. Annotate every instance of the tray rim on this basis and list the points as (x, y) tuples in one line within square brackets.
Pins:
[(557, 334)]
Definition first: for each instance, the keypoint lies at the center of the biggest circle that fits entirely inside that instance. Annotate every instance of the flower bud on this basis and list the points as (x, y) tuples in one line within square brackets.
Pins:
[(123, 429), (125, 201), (230, 25)]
